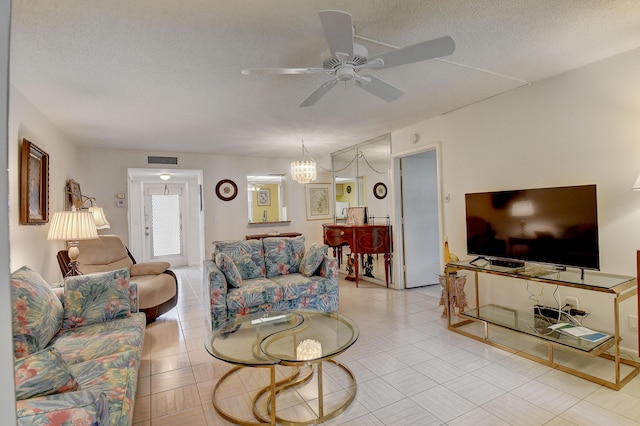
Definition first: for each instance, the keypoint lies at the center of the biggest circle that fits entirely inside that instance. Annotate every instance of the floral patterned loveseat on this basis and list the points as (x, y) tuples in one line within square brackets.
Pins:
[(76, 354), (272, 274)]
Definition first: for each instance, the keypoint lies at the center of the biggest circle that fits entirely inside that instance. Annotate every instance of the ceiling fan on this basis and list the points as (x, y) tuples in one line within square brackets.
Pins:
[(346, 59)]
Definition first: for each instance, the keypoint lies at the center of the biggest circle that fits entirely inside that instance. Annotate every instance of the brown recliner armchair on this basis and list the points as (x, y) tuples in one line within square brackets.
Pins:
[(157, 284)]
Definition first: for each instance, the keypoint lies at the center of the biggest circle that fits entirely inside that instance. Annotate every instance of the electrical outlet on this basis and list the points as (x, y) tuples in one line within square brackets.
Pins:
[(573, 301), (633, 322)]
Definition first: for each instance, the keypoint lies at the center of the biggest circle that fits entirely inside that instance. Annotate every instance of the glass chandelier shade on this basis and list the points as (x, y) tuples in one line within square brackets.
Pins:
[(303, 171)]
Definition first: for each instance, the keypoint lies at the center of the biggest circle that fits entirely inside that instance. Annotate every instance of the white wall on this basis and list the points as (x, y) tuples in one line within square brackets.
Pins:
[(8, 400), (581, 127), (29, 245), (105, 175)]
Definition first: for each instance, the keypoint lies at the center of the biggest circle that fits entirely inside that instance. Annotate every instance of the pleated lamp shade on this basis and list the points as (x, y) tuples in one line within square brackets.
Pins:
[(72, 225), (99, 218)]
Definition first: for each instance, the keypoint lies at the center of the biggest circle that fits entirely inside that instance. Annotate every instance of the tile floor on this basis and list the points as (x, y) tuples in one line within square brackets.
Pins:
[(410, 371)]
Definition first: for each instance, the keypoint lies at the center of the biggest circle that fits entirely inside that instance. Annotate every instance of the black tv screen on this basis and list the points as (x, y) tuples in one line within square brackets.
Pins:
[(556, 226)]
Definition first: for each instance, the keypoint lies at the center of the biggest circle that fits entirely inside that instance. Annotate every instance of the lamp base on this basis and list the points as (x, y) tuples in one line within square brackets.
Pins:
[(74, 252)]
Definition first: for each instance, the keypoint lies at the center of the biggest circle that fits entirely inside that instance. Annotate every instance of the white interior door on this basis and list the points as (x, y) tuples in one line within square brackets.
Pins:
[(165, 208), (419, 183)]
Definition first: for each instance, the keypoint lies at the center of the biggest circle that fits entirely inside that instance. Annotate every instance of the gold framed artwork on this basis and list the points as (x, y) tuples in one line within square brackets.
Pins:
[(34, 185), (318, 201), (74, 194)]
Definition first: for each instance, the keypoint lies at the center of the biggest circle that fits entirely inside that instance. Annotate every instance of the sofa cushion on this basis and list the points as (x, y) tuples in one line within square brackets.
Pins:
[(83, 407), (248, 255), (37, 312), (313, 258), (295, 286), (282, 255), (229, 269), (253, 292), (94, 298), (42, 373), (80, 344), (116, 375)]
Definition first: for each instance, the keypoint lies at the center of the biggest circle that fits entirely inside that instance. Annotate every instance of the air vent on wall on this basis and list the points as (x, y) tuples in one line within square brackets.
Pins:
[(152, 159)]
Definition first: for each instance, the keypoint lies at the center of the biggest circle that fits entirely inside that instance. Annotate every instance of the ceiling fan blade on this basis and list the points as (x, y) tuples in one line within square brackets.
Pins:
[(319, 92), (379, 88), (436, 48), (338, 30), (282, 71)]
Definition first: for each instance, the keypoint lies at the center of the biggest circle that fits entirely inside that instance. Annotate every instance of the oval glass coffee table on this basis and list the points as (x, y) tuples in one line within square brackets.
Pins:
[(302, 339)]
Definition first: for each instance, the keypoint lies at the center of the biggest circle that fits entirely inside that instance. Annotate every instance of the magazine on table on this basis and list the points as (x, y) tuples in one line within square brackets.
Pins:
[(579, 331)]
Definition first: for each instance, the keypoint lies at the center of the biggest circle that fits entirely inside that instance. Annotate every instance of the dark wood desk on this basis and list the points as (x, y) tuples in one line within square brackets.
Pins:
[(362, 239)]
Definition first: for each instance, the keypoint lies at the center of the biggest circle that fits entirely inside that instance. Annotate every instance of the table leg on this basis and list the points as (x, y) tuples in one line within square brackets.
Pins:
[(320, 392), (273, 394)]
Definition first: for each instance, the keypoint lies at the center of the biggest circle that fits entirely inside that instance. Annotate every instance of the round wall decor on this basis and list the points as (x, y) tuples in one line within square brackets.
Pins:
[(348, 189), (226, 190), (380, 190)]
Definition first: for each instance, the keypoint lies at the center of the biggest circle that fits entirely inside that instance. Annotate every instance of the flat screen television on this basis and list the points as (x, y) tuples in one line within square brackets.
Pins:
[(557, 226)]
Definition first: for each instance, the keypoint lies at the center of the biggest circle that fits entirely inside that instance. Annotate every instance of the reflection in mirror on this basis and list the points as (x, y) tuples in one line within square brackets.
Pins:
[(267, 198), (361, 178)]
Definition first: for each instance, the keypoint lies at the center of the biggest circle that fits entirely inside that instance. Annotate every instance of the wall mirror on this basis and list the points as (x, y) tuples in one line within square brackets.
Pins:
[(267, 198), (361, 178)]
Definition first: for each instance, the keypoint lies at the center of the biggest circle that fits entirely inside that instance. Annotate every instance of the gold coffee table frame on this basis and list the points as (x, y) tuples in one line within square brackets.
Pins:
[(268, 340)]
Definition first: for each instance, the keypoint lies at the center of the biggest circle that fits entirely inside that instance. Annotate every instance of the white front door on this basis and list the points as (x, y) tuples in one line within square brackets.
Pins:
[(165, 205)]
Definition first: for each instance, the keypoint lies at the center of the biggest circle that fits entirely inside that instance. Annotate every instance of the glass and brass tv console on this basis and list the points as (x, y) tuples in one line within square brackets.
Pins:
[(521, 332)]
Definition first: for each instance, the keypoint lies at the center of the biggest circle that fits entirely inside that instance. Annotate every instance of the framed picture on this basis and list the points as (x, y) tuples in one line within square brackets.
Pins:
[(356, 215), (318, 201), (34, 185), (379, 190), (264, 197), (75, 194), (226, 190)]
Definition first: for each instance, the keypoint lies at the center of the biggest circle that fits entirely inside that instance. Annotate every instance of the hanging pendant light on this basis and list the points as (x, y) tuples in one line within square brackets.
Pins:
[(303, 171)]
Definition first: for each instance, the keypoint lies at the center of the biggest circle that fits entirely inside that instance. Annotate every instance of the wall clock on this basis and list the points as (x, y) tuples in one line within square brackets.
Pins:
[(226, 190), (380, 190)]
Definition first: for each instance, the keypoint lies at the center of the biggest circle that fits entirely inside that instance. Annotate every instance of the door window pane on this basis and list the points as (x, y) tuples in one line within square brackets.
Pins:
[(166, 225)]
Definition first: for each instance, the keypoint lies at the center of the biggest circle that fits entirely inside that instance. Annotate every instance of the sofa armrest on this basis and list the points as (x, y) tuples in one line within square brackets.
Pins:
[(80, 407), (328, 268), (149, 268), (216, 284)]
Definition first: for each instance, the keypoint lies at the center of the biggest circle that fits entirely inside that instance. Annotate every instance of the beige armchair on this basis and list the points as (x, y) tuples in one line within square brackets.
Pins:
[(157, 284)]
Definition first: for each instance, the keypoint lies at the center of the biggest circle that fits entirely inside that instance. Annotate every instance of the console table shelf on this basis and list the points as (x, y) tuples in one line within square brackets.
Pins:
[(525, 323)]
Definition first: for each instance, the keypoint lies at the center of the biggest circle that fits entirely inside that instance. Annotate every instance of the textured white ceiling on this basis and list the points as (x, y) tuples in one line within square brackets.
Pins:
[(165, 74)]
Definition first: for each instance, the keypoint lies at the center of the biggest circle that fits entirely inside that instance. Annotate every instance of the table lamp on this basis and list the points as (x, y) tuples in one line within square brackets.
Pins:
[(72, 226)]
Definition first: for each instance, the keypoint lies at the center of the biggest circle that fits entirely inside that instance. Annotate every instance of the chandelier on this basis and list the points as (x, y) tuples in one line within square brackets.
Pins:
[(303, 171)]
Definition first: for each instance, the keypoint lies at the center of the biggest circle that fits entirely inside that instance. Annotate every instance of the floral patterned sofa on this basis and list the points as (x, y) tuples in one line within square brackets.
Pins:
[(76, 354), (271, 274)]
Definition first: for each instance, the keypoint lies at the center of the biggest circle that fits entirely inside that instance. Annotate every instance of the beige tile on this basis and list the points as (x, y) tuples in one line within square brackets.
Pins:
[(212, 370), (192, 417), (142, 409), (171, 380), (174, 400), (144, 386), (171, 362), (517, 410), (200, 356)]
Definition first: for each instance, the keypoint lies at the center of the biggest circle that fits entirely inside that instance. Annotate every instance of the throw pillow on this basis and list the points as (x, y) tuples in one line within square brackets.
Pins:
[(229, 269), (96, 298), (37, 312), (248, 255), (42, 373), (312, 259)]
